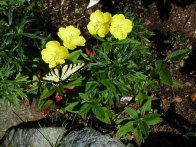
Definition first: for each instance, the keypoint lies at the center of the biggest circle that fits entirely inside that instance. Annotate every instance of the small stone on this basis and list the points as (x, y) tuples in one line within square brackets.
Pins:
[(177, 99), (193, 97), (189, 84)]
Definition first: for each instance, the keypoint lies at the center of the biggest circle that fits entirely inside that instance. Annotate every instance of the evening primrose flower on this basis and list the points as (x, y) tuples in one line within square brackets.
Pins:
[(99, 23), (120, 26), (71, 37), (54, 54)]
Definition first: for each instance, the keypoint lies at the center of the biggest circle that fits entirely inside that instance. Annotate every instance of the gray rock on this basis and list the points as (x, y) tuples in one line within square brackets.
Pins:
[(88, 137), (55, 136), (33, 137), (12, 116)]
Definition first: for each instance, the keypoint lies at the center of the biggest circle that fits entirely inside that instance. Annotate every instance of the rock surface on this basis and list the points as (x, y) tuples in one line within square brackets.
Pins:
[(34, 137), (55, 136), (12, 116), (88, 137)]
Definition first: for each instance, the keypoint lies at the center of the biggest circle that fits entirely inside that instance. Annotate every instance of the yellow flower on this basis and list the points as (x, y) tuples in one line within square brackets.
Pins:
[(54, 54), (120, 26), (71, 37), (99, 23)]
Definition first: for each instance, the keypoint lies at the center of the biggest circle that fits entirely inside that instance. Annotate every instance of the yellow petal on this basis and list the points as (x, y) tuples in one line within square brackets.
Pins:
[(120, 26), (62, 33), (52, 44), (54, 54), (79, 41), (99, 23), (72, 31), (118, 18), (96, 16), (128, 25), (92, 28), (107, 17), (68, 36), (103, 31), (69, 44)]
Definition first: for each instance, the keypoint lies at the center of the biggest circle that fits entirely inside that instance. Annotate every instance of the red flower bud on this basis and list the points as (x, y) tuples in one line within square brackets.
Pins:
[(58, 98), (87, 51), (92, 53)]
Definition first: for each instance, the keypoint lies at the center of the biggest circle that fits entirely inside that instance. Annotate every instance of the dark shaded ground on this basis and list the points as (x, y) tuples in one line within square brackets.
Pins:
[(177, 105)]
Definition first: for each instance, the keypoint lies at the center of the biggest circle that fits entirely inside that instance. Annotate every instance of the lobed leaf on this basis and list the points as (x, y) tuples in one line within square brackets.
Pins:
[(124, 129), (152, 118), (102, 114), (137, 135), (164, 73), (144, 128), (178, 54), (132, 112)]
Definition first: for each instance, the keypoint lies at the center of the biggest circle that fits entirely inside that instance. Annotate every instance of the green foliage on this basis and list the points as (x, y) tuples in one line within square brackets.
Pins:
[(12, 88), (179, 56), (178, 41), (191, 134), (138, 122), (165, 75), (181, 50), (181, 53), (18, 37)]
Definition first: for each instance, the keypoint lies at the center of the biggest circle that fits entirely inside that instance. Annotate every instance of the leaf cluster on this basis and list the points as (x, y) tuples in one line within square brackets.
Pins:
[(12, 88), (17, 39)]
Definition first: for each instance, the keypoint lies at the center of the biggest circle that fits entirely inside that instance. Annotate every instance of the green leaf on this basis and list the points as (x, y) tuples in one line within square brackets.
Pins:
[(124, 41), (176, 84), (71, 106), (191, 134), (47, 92), (146, 106), (152, 118), (40, 103), (101, 113), (123, 88), (178, 54), (137, 136), (144, 128), (85, 56), (123, 120), (33, 36), (91, 85), (109, 85), (140, 97), (32, 90), (124, 129), (85, 108), (99, 38), (132, 112), (164, 73), (48, 104), (77, 82), (74, 55), (84, 97), (138, 76)]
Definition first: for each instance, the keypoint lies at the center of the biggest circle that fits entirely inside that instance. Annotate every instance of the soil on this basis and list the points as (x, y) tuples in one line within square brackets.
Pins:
[(177, 105)]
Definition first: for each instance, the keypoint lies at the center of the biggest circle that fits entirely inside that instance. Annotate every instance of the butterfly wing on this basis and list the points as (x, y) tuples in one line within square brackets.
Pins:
[(52, 76), (68, 70), (92, 3)]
